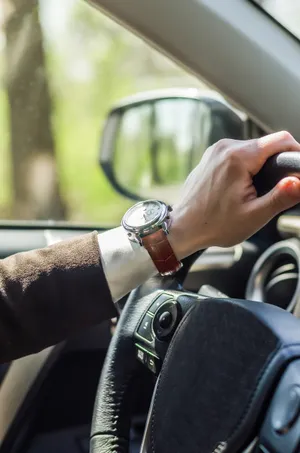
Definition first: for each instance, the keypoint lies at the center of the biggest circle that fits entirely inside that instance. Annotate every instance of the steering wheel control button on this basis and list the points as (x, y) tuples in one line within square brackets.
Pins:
[(141, 355), (145, 328), (159, 301), (288, 412), (165, 320), (153, 363)]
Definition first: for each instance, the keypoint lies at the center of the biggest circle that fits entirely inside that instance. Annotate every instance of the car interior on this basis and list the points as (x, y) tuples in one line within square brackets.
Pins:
[(208, 360)]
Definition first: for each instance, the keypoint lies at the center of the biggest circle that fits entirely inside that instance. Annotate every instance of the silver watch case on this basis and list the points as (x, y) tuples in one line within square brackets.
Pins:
[(162, 221)]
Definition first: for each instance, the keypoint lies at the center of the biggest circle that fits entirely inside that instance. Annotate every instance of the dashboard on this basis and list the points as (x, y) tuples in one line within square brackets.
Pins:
[(55, 388)]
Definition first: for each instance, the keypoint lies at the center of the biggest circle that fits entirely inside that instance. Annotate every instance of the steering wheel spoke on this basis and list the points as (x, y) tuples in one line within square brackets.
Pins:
[(158, 324), (188, 341)]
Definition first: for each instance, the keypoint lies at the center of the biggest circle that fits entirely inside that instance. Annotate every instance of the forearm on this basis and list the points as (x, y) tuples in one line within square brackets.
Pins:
[(49, 294)]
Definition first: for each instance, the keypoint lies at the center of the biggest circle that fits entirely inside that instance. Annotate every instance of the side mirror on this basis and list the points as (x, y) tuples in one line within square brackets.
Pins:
[(153, 140)]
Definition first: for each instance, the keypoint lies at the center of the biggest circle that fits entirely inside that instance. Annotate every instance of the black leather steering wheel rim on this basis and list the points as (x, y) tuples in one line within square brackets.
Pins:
[(112, 410)]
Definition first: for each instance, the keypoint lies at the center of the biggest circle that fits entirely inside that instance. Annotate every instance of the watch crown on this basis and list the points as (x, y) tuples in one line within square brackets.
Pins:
[(170, 208)]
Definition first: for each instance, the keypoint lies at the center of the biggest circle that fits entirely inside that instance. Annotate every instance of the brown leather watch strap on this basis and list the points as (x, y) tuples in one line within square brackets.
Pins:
[(161, 252)]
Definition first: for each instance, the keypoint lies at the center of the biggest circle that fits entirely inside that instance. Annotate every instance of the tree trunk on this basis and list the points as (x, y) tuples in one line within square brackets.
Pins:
[(36, 193)]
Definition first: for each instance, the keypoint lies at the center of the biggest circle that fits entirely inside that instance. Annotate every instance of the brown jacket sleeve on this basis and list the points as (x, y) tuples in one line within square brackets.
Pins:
[(49, 294)]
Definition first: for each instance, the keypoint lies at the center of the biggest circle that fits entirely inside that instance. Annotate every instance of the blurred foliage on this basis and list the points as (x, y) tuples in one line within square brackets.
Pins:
[(91, 63), (5, 193), (35, 185)]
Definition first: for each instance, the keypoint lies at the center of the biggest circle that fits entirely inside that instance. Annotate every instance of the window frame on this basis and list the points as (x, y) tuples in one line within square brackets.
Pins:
[(274, 20)]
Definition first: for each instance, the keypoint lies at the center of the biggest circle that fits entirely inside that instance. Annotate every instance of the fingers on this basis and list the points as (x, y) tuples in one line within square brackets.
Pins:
[(254, 153), (276, 143), (284, 195), (257, 151)]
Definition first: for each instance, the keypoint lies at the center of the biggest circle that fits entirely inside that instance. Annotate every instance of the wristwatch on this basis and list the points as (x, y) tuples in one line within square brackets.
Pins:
[(147, 223)]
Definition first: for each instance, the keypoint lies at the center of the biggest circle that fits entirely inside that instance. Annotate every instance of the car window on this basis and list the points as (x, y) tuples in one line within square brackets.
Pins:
[(62, 65), (286, 12)]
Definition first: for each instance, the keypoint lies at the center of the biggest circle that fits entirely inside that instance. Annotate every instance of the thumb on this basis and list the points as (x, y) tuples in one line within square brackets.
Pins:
[(284, 195)]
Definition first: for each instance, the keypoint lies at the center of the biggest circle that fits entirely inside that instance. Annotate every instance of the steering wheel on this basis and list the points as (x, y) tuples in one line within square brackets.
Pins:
[(224, 367)]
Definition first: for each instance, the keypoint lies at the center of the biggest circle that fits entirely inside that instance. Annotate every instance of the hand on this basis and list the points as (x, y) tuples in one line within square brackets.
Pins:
[(219, 204)]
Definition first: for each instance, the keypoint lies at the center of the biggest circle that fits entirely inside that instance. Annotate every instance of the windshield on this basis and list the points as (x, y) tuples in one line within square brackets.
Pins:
[(62, 66), (286, 12)]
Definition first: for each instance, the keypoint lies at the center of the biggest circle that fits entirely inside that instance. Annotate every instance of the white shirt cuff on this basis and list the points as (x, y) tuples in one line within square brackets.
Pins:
[(126, 265)]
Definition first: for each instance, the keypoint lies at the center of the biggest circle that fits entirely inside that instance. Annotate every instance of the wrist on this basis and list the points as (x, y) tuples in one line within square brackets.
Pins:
[(184, 239), (178, 239)]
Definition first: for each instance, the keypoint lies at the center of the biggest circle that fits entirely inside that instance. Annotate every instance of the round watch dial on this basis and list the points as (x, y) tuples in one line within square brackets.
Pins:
[(143, 214)]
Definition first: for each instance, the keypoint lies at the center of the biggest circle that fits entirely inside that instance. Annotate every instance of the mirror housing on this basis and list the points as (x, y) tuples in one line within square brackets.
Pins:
[(152, 141)]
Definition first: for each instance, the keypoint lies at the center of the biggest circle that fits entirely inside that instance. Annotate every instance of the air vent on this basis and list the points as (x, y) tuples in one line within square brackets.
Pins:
[(281, 283), (275, 276)]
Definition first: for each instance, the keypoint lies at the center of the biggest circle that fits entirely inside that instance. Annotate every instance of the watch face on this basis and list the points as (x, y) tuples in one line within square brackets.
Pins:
[(143, 214)]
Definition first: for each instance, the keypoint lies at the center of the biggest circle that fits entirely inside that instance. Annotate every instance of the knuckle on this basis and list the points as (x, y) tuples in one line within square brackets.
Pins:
[(223, 144), (233, 155), (277, 203), (285, 135), (274, 201)]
